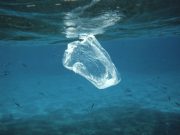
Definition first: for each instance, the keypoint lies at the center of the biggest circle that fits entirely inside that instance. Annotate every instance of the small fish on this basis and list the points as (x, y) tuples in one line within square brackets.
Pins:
[(178, 104), (128, 90), (39, 82), (42, 93), (24, 65), (129, 95), (5, 73), (164, 87), (91, 108), (169, 98), (17, 104), (79, 88)]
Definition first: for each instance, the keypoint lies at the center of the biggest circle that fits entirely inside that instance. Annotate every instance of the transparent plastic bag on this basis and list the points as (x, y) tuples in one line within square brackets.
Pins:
[(90, 60)]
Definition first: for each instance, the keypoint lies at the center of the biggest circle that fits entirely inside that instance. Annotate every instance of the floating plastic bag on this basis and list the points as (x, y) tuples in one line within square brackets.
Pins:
[(90, 60)]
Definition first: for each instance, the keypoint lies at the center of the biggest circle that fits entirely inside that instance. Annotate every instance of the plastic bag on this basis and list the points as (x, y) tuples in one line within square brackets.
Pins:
[(90, 60)]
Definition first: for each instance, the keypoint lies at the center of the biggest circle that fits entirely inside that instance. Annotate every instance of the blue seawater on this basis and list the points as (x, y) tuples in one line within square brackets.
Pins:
[(39, 96)]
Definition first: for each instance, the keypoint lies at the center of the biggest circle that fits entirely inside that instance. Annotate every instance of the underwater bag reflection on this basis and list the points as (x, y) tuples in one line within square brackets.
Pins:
[(90, 60)]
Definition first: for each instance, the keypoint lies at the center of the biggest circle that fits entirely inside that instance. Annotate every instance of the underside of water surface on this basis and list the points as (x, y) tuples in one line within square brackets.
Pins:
[(36, 19), (125, 55)]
